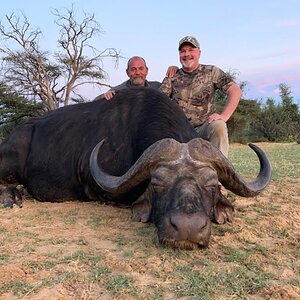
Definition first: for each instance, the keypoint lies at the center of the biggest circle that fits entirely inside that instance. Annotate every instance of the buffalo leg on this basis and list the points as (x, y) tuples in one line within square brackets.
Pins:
[(10, 196)]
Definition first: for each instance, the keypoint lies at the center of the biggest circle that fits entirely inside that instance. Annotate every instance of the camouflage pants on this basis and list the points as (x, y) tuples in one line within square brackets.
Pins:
[(217, 133)]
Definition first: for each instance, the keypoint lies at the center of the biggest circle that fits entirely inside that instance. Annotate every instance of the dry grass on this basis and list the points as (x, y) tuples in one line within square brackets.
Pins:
[(79, 250)]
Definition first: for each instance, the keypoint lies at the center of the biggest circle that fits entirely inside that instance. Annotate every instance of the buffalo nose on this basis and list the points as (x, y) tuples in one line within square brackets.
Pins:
[(191, 227)]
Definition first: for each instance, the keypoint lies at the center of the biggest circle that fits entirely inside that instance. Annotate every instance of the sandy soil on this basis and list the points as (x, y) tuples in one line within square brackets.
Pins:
[(76, 250)]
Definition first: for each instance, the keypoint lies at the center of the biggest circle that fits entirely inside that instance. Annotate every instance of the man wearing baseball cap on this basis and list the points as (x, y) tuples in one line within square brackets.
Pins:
[(193, 87), (190, 40)]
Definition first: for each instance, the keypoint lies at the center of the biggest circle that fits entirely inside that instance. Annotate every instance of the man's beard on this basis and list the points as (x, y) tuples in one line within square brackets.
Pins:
[(138, 81), (188, 63)]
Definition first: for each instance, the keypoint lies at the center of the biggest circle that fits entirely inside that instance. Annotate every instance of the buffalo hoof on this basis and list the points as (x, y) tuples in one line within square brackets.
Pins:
[(19, 202), (8, 203), (10, 196)]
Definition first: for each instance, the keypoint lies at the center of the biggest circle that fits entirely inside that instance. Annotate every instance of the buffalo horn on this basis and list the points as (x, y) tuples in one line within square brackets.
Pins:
[(163, 150), (230, 179)]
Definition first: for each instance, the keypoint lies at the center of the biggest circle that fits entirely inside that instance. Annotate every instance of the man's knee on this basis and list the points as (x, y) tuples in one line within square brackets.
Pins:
[(219, 128), (216, 129), (219, 136)]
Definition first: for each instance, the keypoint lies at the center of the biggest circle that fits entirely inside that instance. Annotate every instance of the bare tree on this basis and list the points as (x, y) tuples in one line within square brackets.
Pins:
[(30, 72)]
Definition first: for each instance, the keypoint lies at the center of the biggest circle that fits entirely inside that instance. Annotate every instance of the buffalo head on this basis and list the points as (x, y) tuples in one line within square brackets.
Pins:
[(183, 195)]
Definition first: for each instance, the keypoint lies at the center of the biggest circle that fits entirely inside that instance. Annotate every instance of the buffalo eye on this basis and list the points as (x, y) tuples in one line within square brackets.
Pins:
[(161, 177)]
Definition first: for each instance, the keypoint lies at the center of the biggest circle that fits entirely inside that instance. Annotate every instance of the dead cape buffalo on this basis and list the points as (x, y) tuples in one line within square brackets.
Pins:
[(137, 149)]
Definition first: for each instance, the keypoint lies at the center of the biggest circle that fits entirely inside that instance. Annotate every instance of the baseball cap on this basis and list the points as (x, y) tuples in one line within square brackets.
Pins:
[(189, 39)]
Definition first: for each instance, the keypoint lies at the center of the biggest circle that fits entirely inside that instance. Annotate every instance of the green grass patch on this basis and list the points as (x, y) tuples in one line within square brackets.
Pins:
[(94, 221), (42, 265), (18, 287), (285, 160), (81, 242), (118, 284), (99, 274), (6, 239), (4, 258), (122, 240), (56, 241), (208, 281), (70, 219), (43, 214), (128, 253), (82, 257), (2, 229)]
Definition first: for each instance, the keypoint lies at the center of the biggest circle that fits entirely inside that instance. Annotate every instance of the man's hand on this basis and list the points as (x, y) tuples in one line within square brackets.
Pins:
[(172, 70), (108, 95), (234, 94), (215, 117)]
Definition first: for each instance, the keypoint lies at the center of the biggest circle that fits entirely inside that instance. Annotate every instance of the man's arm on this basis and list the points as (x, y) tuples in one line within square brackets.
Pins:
[(166, 86), (107, 95), (234, 94), (110, 93)]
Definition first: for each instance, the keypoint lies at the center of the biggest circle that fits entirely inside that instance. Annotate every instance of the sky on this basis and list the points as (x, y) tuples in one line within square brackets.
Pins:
[(258, 40)]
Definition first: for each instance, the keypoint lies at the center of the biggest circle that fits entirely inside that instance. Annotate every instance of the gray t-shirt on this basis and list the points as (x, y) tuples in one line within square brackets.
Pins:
[(127, 84)]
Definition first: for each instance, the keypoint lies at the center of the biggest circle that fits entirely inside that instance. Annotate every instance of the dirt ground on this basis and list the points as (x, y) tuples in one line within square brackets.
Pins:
[(76, 250)]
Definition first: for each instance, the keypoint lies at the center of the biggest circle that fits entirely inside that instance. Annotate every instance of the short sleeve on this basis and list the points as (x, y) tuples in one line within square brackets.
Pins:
[(166, 86), (221, 79)]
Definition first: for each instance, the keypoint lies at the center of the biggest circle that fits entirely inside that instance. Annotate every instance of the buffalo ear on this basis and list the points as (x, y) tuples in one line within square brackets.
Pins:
[(141, 208), (223, 211)]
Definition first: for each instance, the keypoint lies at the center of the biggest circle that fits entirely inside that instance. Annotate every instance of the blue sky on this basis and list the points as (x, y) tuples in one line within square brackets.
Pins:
[(260, 40)]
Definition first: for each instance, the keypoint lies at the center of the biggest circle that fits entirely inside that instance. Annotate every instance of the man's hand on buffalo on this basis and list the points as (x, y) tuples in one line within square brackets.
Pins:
[(108, 95)]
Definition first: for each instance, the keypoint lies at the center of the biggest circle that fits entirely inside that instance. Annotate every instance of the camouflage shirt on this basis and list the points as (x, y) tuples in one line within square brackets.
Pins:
[(194, 92)]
